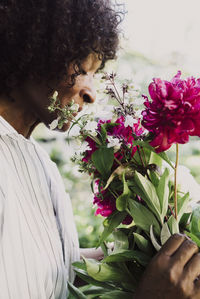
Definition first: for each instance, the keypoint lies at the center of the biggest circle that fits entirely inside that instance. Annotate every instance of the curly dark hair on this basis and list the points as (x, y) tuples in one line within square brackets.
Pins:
[(39, 39)]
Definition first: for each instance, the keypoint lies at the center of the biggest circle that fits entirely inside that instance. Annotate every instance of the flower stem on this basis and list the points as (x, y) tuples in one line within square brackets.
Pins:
[(175, 181), (117, 161)]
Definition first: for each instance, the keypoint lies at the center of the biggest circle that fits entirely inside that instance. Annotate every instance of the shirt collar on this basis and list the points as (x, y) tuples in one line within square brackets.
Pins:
[(6, 128)]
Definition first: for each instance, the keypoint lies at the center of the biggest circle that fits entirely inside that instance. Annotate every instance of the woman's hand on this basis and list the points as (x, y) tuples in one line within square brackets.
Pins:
[(173, 272), (92, 253)]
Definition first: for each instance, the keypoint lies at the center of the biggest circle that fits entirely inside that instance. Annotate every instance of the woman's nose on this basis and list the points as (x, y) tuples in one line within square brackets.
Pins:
[(88, 95)]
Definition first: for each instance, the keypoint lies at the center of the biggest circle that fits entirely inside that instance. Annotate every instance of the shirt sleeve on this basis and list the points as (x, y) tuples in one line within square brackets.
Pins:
[(2, 202), (65, 221), (63, 213)]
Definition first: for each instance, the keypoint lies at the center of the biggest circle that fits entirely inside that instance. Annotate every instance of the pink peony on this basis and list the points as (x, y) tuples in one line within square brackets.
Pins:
[(106, 203), (174, 112)]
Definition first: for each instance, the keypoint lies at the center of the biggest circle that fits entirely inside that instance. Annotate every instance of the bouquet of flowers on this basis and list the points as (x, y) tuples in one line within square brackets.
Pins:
[(132, 180)]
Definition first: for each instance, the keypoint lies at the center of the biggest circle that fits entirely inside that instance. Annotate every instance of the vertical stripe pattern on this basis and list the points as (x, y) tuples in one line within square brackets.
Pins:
[(38, 239)]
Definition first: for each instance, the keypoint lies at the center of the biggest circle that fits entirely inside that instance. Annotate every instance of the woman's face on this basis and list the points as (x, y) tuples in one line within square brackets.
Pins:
[(82, 91)]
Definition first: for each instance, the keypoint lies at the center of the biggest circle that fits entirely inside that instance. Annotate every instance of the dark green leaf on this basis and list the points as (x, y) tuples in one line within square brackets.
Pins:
[(76, 292), (195, 222), (117, 295), (153, 239), (103, 160), (84, 276), (129, 255), (163, 192), (173, 225), (150, 195), (182, 205), (110, 224), (104, 272), (164, 156), (121, 241), (121, 201), (143, 244), (165, 233), (103, 133), (143, 217), (193, 238)]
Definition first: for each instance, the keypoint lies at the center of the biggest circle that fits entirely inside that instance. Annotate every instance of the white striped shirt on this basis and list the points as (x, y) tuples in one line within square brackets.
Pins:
[(38, 238)]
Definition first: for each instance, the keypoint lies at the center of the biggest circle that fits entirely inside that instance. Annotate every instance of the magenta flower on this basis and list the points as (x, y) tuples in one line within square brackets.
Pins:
[(174, 112), (106, 203)]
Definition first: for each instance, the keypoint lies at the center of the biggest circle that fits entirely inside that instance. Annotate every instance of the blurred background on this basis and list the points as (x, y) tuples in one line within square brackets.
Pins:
[(159, 38)]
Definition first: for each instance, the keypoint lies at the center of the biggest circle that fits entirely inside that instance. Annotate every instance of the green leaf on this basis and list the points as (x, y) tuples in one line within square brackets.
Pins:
[(75, 292), (93, 290), (103, 160), (154, 177), (104, 272), (163, 192), (165, 233), (84, 276), (193, 238), (79, 265), (129, 255), (155, 159), (143, 217), (182, 205), (117, 295), (195, 222), (103, 133), (121, 201), (143, 144), (150, 195), (120, 241), (164, 156), (173, 225), (153, 239), (143, 244), (110, 224)]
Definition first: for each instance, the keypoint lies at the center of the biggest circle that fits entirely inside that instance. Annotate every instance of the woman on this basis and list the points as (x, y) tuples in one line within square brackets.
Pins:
[(45, 46)]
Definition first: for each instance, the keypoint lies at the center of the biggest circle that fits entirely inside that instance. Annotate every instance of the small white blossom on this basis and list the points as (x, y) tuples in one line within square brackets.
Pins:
[(103, 101), (55, 95), (74, 107), (138, 113), (138, 101), (130, 121), (113, 142), (54, 124), (75, 131), (106, 113), (91, 126), (80, 147)]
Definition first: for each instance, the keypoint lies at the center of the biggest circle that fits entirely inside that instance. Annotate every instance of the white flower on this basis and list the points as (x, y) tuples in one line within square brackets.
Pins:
[(54, 124), (55, 95), (106, 113), (130, 121), (80, 147), (91, 126), (75, 131), (138, 101), (103, 101), (138, 113), (113, 142), (74, 107)]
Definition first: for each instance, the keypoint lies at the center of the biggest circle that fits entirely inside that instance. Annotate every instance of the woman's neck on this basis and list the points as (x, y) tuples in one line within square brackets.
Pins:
[(18, 116)]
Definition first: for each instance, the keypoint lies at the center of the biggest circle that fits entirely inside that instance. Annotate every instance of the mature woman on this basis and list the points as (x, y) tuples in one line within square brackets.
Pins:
[(48, 45)]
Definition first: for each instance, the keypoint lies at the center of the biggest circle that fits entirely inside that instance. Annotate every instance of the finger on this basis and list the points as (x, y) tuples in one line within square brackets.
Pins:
[(192, 269), (184, 253), (171, 246)]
